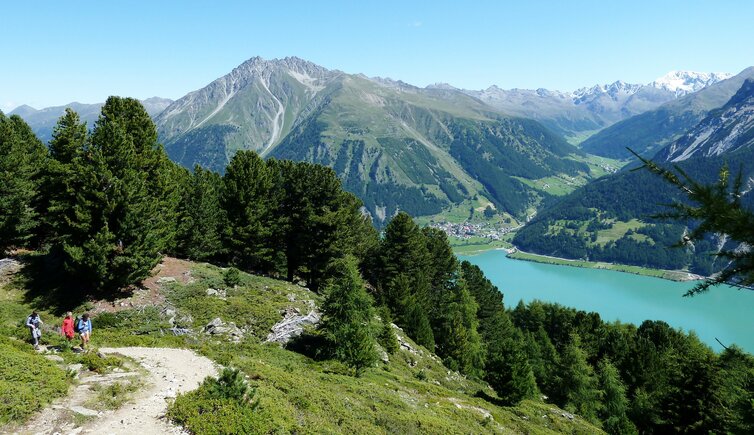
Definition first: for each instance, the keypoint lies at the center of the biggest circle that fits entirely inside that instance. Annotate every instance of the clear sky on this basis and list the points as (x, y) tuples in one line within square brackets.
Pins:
[(55, 52)]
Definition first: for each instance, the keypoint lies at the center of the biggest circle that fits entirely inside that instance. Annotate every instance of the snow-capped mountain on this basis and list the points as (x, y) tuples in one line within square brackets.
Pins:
[(578, 113), (686, 82)]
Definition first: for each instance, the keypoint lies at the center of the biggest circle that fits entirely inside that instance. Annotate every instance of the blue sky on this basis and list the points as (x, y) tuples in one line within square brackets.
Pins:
[(54, 52)]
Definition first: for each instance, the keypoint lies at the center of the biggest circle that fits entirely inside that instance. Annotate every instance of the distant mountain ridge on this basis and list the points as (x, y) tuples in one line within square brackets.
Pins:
[(588, 109), (42, 121), (395, 145), (648, 132)]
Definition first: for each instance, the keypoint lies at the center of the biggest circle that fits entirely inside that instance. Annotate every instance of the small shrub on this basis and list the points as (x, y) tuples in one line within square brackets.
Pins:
[(219, 406), (230, 385), (421, 375), (232, 277), (107, 320), (114, 395), (96, 363)]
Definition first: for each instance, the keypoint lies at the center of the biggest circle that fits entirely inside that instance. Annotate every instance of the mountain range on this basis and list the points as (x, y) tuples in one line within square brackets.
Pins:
[(581, 112), (395, 145), (42, 121), (611, 219), (399, 146), (648, 132)]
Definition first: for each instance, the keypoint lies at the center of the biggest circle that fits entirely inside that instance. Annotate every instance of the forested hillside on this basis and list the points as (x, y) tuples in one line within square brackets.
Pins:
[(105, 207), (611, 219)]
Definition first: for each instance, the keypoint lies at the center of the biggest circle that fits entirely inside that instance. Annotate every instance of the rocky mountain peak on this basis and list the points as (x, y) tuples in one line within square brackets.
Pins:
[(686, 82)]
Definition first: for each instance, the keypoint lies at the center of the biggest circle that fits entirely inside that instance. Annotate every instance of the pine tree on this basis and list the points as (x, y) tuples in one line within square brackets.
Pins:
[(202, 219), (417, 324), (61, 181), (613, 402), (347, 316), (403, 273), (125, 205), (22, 156), (387, 337), (247, 185), (461, 346), (316, 220)]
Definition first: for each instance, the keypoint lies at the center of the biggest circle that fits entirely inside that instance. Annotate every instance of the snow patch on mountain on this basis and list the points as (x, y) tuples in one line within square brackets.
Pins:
[(686, 82)]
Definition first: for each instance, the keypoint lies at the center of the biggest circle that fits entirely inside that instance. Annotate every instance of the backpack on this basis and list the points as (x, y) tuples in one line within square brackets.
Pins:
[(76, 327)]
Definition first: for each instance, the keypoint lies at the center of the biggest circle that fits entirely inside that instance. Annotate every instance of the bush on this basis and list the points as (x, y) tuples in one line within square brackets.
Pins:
[(96, 363), (219, 406), (232, 277), (28, 382)]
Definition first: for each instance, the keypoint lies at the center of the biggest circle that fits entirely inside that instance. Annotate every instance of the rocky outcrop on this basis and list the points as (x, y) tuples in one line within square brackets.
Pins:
[(219, 328), (292, 325)]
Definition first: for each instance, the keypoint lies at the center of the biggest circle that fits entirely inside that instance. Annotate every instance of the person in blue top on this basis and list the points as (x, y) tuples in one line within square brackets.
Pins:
[(85, 330), (34, 323)]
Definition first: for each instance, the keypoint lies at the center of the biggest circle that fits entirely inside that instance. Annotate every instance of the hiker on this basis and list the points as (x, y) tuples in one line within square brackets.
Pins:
[(34, 324), (84, 327), (67, 329)]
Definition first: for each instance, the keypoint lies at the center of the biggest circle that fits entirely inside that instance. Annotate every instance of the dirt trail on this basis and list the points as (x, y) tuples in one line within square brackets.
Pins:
[(169, 372)]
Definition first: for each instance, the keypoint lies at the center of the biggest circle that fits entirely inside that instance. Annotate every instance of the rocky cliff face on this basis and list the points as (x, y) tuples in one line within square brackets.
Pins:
[(726, 129)]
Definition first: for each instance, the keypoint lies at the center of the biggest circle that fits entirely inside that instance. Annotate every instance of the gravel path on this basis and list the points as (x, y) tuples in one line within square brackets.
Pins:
[(164, 372), (171, 371)]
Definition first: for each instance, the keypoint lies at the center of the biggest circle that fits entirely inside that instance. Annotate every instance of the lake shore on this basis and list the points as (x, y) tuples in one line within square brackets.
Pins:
[(672, 275), (480, 246)]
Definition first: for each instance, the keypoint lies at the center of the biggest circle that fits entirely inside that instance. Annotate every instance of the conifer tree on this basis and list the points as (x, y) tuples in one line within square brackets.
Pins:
[(417, 324), (202, 219), (125, 205), (347, 316), (22, 156), (461, 346), (316, 220), (245, 197), (403, 273), (387, 337), (62, 179), (578, 386), (613, 402)]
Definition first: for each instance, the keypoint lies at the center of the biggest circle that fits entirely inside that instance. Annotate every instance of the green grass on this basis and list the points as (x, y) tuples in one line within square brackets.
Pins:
[(295, 391), (113, 396), (476, 244), (28, 381), (637, 270), (617, 230)]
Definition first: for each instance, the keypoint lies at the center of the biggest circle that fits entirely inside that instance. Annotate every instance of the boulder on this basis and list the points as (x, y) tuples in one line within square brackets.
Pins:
[(292, 325), (218, 327), (166, 280)]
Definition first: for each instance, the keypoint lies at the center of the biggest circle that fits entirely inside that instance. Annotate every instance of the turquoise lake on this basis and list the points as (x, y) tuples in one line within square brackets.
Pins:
[(725, 313)]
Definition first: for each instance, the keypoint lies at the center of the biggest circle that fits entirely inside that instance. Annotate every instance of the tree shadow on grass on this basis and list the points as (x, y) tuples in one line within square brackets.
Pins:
[(47, 285), (493, 400), (310, 345)]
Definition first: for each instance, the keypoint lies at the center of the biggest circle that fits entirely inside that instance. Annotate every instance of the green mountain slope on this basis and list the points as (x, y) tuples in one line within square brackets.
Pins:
[(410, 391), (610, 219), (395, 145), (648, 132)]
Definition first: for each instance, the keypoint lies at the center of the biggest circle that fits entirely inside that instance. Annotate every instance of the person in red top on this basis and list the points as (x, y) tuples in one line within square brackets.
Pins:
[(68, 326)]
